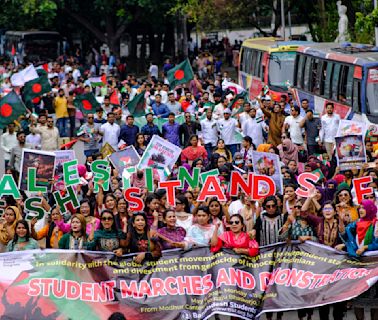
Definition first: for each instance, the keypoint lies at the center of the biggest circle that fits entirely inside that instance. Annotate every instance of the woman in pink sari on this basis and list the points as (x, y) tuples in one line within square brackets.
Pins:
[(236, 239)]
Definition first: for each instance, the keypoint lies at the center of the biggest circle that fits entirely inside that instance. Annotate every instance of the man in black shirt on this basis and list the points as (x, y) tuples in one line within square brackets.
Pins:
[(312, 127), (187, 129)]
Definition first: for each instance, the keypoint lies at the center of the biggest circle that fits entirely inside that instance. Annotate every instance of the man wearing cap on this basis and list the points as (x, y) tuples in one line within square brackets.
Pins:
[(312, 127), (226, 129)]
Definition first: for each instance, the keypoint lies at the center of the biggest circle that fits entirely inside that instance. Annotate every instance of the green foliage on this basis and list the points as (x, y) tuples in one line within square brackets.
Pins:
[(27, 14), (365, 25)]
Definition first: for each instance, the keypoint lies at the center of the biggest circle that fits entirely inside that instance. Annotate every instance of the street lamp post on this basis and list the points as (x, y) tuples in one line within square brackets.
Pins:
[(283, 19)]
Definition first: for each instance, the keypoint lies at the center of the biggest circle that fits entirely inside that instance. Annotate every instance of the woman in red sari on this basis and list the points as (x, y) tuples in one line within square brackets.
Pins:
[(236, 239), (193, 151)]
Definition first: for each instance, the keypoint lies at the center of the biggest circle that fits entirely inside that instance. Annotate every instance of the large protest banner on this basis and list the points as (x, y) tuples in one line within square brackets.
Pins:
[(181, 285)]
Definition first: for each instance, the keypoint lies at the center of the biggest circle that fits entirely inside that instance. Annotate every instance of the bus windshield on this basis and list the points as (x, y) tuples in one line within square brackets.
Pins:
[(372, 91), (281, 69)]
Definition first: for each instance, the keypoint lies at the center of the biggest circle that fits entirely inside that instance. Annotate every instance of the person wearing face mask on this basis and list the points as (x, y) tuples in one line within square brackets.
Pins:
[(49, 135)]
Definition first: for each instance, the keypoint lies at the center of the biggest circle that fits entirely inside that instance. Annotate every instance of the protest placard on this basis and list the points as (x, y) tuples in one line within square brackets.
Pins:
[(36, 170)]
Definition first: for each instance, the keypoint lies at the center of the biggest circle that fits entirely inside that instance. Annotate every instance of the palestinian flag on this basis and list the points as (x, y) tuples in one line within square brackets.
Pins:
[(137, 105), (86, 103), (11, 107), (182, 73), (34, 89), (98, 81)]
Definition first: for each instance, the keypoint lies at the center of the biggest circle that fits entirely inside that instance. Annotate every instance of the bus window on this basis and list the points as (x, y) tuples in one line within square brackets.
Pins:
[(281, 68), (248, 61), (335, 81), (300, 67), (253, 63), (372, 92), (328, 80), (322, 75), (356, 96), (258, 64), (307, 74), (346, 81), (241, 63), (315, 76)]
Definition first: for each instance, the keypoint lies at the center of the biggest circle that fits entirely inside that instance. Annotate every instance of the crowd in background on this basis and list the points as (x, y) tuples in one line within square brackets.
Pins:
[(304, 142)]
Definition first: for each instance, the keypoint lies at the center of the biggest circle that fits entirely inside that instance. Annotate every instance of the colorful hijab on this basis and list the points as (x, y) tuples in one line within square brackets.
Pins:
[(290, 154), (365, 226)]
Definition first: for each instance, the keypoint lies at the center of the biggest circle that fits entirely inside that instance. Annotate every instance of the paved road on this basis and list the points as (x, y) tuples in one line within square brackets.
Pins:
[(293, 316)]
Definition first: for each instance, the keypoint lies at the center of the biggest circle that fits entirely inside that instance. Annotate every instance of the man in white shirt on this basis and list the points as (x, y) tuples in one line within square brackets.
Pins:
[(292, 124), (110, 132), (154, 70), (209, 132), (254, 128), (219, 109), (244, 116), (8, 141), (330, 124), (227, 128)]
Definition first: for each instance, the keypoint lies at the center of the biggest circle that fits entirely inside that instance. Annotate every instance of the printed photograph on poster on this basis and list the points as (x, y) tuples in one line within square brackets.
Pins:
[(349, 127), (43, 161), (126, 158), (350, 152), (62, 156), (159, 154), (268, 164)]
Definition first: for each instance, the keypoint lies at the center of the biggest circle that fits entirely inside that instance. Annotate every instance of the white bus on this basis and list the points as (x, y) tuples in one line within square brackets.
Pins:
[(34, 45)]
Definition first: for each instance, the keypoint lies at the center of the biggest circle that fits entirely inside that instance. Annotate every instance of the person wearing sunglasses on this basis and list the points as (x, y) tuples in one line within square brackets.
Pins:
[(297, 227), (236, 239), (269, 222), (344, 203), (108, 237)]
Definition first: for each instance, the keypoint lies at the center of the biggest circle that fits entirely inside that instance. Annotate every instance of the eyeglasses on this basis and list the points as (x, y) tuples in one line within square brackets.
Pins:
[(235, 222), (297, 207), (343, 194), (107, 219), (270, 206), (178, 202)]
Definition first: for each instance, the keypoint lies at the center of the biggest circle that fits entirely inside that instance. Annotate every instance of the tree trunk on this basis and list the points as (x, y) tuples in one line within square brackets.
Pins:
[(133, 46), (185, 36)]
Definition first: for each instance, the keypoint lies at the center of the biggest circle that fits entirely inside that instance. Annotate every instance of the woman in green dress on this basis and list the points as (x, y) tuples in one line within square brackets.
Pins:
[(76, 239), (22, 239)]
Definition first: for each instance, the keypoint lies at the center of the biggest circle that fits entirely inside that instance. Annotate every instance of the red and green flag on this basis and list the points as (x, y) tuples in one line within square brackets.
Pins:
[(233, 104), (182, 73), (137, 106), (34, 89), (87, 103), (11, 107), (114, 100)]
